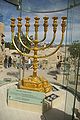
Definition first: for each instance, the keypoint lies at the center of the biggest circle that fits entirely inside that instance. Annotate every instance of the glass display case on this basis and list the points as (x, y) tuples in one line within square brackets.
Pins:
[(68, 76), (71, 79)]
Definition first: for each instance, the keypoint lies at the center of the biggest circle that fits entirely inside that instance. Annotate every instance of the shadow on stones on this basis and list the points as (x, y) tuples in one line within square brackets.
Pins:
[(74, 82), (14, 74), (53, 73), (55, 114)]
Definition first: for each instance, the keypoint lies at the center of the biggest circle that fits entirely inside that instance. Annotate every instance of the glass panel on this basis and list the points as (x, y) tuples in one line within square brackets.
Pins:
[(67, 75), (44, 5), (72, 78)]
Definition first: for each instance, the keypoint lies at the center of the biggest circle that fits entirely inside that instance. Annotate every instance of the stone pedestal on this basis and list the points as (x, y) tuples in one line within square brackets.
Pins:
[(28, 100)]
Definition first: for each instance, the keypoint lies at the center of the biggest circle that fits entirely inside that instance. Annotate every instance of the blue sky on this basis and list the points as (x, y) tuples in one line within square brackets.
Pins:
[(8, 10)]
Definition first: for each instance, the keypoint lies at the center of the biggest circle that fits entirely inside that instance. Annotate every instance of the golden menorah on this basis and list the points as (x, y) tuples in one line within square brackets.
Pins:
[(34, 82)]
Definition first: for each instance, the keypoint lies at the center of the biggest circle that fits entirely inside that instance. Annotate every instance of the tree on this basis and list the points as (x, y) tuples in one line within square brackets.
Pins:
[(74, 49), (9, 45)]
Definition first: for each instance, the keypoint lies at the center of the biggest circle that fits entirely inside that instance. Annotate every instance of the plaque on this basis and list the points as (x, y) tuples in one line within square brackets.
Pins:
[(26, 96)]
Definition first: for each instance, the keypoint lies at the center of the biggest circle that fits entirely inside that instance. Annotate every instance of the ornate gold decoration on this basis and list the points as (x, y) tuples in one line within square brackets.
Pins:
[(34, 82)]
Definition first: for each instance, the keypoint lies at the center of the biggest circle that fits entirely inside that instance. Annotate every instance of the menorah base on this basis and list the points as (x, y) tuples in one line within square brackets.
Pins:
[(35, 84)]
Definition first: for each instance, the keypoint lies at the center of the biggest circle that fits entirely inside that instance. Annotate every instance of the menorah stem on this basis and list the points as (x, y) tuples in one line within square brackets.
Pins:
[(35, 61), (35, 49), (35, 67)]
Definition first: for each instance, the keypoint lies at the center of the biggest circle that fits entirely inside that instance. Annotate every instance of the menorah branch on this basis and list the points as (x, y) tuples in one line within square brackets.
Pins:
[(45, 27), (43, 48), (43, 38), (25, 46), (29, 39), (55, 50), (24, 54)]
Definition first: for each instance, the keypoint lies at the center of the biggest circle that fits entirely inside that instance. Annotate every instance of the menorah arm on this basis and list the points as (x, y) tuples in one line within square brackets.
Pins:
[(55, 50), (43, 48), (43, 38), (29, 39), (24, 54), (24, 44)]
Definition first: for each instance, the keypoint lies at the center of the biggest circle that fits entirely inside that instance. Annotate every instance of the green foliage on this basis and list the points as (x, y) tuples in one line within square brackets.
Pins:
[(9, 45), (74, 49)]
